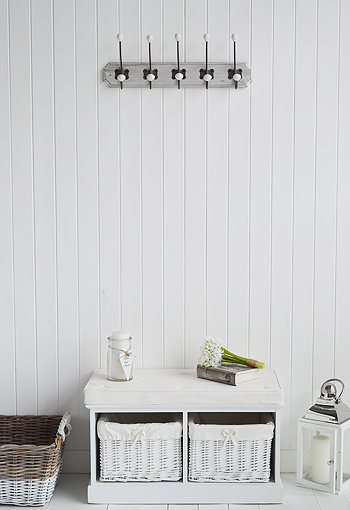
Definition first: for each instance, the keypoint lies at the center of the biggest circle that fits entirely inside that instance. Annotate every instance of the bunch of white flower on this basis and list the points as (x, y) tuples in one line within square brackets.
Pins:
[(211, 352)]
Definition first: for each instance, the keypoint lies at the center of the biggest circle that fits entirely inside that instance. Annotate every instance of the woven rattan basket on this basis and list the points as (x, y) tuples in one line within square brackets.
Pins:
[(229, 452), (31, 455), (139, 452)]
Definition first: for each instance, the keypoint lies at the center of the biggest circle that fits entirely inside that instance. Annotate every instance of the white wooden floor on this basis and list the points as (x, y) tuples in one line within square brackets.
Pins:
[(70, 494)]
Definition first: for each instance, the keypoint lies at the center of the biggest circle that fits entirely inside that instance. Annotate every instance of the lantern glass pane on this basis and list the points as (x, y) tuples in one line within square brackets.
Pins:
[(346, 455), (316, 455)]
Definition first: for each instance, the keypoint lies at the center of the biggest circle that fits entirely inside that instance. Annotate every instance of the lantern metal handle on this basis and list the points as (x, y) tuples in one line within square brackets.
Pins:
[(324, 385)]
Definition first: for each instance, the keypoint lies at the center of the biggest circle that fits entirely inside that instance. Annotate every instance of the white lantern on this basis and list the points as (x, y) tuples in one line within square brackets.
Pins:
[(324, 442)]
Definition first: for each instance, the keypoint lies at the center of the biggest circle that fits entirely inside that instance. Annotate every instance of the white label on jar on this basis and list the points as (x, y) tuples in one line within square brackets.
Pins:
[(126, 363)]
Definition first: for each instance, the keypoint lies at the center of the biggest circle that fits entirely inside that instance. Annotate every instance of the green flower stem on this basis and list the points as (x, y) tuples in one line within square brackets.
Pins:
[(233, 358), (230, 359), (238, 359)]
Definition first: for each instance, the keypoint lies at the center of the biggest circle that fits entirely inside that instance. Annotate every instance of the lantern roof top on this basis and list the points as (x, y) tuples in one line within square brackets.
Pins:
[(328, 407)]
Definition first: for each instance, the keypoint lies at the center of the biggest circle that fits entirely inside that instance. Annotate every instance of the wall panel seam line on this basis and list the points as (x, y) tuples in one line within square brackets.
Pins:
[(162, 144), (315, 198), (119, 173), (119, 165), (12, 210), (140, 201), (230, 160), (337, 195), (99, 304), (118, 14), (184, 214), (183, 235), (55, 195), (292, 220), (30, 26), (207, 16), (249, 136), (121, 280), (184, 287), (206, 182), (228, 97), (163, 218), (140, 29), (206, 210), (228, 216), (272, 146), (162, 157), (162, 30), (250, 183), (54, 134), (185, 30), (141, 227), (77, 250)]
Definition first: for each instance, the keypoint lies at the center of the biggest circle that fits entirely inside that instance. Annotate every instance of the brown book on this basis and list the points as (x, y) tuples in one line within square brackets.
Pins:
[(229, 373)]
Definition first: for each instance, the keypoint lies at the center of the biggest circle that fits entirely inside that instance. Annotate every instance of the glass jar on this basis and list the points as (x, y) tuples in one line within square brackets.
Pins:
[(119, 357)]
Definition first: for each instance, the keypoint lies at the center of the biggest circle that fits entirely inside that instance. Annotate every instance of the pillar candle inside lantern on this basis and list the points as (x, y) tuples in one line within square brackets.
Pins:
[(320, 458)]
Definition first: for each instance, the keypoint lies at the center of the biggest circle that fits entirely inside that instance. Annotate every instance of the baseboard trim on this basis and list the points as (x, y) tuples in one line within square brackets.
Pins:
[(288, 461), (76, 461)]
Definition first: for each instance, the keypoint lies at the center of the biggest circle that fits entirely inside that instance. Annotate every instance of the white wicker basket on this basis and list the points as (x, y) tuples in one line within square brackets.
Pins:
[(33, 492), (229, 452), (139, 451)]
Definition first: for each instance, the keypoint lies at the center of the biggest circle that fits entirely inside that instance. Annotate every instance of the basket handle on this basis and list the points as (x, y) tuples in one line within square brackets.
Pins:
[(64, 423)]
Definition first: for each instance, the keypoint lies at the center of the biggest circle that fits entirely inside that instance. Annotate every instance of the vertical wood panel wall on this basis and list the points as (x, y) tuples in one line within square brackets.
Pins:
[(172, 214)]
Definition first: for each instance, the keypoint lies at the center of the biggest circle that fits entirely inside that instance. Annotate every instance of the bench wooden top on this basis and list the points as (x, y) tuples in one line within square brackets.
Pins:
[(180, 388)]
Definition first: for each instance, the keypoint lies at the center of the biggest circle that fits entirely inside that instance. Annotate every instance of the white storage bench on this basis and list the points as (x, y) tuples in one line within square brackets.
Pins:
[(227, 439)]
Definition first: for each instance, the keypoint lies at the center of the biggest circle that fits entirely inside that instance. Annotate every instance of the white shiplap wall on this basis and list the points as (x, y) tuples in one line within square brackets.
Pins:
[(194, 212)]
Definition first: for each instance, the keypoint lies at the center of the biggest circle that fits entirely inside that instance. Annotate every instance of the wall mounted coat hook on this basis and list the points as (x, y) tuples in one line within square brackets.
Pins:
[(235, 74), (178, 74), (150, 74), (121, 74), (169, 74), (206, 74)]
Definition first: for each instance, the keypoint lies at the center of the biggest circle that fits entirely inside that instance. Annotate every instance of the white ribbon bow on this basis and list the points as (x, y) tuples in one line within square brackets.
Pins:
[(229, 435), (139, 435)]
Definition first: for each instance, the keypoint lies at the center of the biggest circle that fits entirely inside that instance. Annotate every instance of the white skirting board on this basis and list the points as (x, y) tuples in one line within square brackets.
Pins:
[(288, 461), (76, 461)]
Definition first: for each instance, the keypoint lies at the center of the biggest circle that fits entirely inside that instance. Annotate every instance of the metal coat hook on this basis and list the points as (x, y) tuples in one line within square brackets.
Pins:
[(150, 74), (178, 74), (169, 74), (121, 74), (235, 74), (206, 74)]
